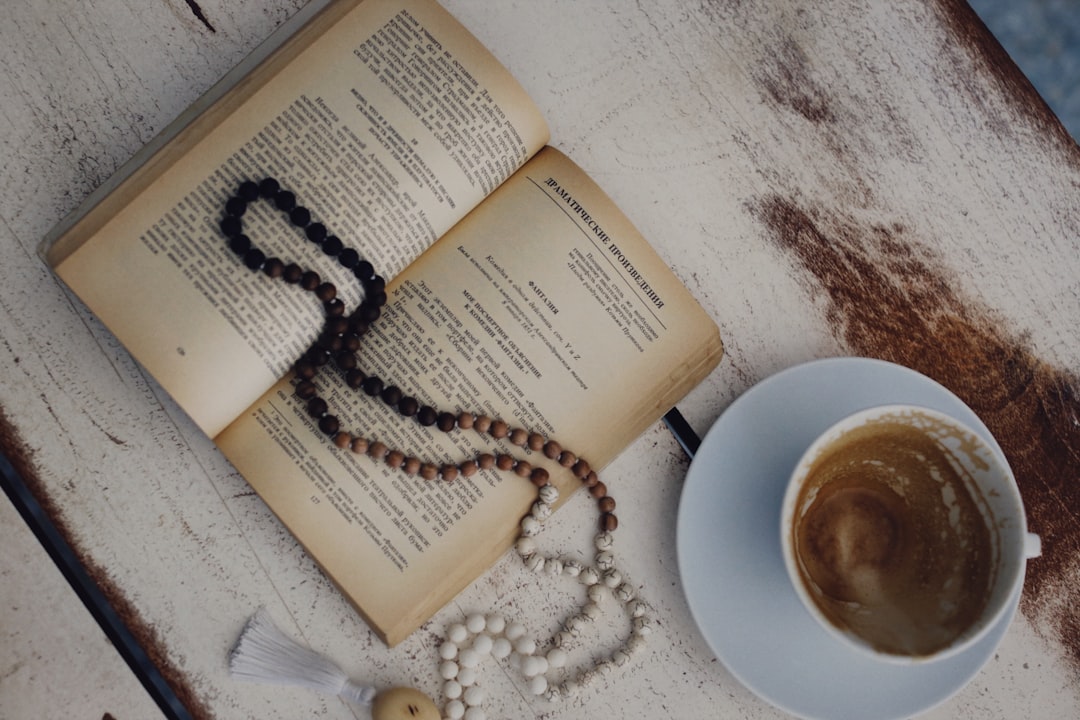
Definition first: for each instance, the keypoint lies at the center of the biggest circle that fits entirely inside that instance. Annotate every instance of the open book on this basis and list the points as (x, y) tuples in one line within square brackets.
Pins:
[(516, 289)]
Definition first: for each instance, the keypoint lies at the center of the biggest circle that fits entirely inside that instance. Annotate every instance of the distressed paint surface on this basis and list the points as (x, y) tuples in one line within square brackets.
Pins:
[(831, 178)]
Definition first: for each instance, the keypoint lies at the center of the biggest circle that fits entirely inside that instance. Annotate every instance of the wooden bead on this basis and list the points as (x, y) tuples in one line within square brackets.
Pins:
[(519, 437), (359, 445), (540, 476), (343, 440), (499, 429), (608, 522), (567, 459), (411, 466), (505, 462), (446, 422), (449, 473), (581, 469), (536, 442), (465, 420), (606, 504), (395, 458), (429, 471), (403, 703), (552, 450), (522, 468), (377, 450), (598, 490), (482, 423), (469, 468), (486, 461), (591, 479)]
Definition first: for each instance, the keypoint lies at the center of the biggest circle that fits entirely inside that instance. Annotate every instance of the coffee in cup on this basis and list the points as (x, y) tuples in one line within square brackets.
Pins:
[(903, 532)]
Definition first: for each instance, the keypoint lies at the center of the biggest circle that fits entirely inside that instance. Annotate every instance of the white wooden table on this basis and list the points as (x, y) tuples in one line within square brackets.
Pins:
[(841, 177)]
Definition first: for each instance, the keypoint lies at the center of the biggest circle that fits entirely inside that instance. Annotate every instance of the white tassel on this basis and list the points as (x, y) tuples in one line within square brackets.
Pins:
[(264, 654)]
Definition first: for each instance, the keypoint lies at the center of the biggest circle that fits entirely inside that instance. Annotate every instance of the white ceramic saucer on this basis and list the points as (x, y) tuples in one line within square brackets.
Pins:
[(729, 548)]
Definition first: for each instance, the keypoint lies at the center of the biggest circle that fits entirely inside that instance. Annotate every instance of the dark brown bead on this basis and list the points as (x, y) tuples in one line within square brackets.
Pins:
[(504, 462), (310, 280), (329, 424), (334, 308), (608, 522), (591, 479), (351, 341), (391, 395), (522, 468), (337, 326), (305, 390), (326, 292), (355, 378), (552, 450), (345, 360), (371, 386), (316, 407), (580, 469), (447, 422), (567, 459), (304, 369), (469, 468), (606, 504), (427, 416), (540, 477), (408, 406), (536, 442), (274, 268), (292, 273), (598, 490)]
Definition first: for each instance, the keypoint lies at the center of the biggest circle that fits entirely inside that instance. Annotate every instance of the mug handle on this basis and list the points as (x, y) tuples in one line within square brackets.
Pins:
[(1032, 546)]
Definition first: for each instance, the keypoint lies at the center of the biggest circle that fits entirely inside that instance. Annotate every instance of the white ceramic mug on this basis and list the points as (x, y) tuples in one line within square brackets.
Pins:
[(904, 534)]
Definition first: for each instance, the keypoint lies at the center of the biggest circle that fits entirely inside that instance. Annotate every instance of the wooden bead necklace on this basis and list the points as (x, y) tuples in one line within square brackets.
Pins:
[(467, 644)]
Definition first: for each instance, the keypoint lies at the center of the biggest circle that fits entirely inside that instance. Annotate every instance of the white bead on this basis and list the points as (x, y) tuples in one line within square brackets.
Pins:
[(624, 593), (455, 710), (572, 567), (612, 578), (541, 510), (604, 667), (548, 494), (531, 666), (563, 639), (589, 576), (483, 644), (526, 546), (538, 685), (475, 623), (574, 625), (586, 678), (535, 562), (448, 650), (553, 694), (466, 676), (457, 633), (604, 541), (448, 670), (475, 695), (452, 689), (514, 630), (469, 658), (596, 594), (639, 609), (620, 657), (525, 646), (605, 560), (642, 626), (557, 657), (635, 643), (496, 624), (554, 567), (501, 648), (475, 713), (530, 526), (591, 610), (570, 688)]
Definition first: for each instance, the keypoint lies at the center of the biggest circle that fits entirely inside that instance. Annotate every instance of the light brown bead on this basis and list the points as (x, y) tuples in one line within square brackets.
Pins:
[(591, 479), (598, 490), (505, 462), (343, 440), (359, 445), (608, 522), (606, 504), (486, 461), (499, 429), (429, 471), (581, 469), (465, 420), (469, 468), (449, 473), (412, 465), (395, 458), (403, 703), (377, 450), (552, 450), (536, 442), (519, 437), (482, 423), (522, 468)]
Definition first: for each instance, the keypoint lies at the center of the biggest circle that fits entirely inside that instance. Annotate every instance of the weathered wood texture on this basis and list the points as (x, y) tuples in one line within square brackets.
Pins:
[(829, 178)]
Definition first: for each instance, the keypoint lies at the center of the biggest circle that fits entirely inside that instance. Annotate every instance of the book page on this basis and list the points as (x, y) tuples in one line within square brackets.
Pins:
[(389, 122), (543, 307)]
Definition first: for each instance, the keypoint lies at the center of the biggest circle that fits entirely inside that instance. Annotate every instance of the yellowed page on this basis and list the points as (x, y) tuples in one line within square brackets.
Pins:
[(386, 118), (544, 307)]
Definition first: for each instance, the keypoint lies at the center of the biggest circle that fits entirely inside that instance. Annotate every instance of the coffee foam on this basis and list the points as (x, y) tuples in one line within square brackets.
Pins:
[(892, 538)]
